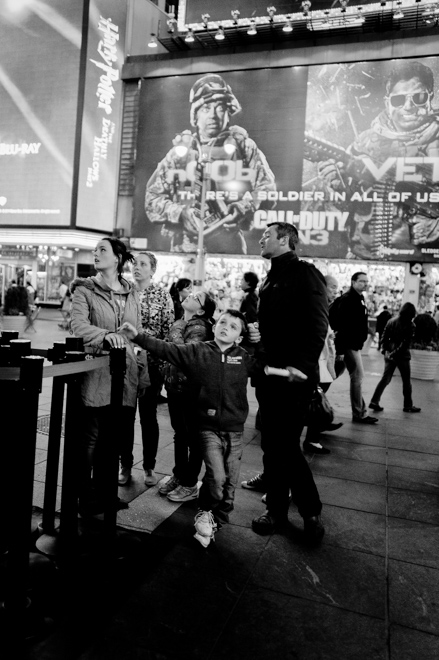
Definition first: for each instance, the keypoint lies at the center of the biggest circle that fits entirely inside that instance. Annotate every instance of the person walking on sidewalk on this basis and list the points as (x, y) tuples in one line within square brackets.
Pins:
[(293, 321), (397, 337), (219, 370), (195, 326), (348, 317)]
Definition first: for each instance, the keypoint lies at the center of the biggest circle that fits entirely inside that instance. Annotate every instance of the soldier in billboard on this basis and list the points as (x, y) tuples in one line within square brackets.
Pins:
[(407, 128), (217, 160)]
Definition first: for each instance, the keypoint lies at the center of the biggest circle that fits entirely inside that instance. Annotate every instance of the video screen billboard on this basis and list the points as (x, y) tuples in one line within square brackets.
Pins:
[(39, 81), (347, 152)]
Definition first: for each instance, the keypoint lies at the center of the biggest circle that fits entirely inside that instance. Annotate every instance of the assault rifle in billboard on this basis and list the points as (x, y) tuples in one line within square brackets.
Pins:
[(409, 180)]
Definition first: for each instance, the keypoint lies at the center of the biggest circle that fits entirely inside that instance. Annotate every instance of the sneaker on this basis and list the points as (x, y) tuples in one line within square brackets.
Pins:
[(267, 524), (150, 478), (169, 486), (313, 529), (124, 476), (204, 540), (314, 448), (183, 494), (412, 409), (365, 420), (255, 483), (205, 524), (376, 406)]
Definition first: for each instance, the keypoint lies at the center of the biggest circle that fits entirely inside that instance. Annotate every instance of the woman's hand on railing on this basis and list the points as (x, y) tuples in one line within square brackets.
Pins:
[(115, 340)]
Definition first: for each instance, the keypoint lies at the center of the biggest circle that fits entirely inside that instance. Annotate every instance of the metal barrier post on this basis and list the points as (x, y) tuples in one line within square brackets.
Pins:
[(117, 371), (68, 531), (48, 541), (23, 446)]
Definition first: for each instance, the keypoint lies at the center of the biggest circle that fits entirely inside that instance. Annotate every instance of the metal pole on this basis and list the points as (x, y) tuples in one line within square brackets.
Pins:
[(23, 451), (200, 260)]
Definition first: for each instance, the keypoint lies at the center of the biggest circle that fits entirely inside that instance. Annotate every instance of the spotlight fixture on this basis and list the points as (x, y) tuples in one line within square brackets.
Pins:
[(189, 38), (153, 41), (271, 12), (252, 27), (326, 19), (343, 4), (399, 13), (287, 27), (205, 20), (219, 36), (361, 15), (235, 15), (306, 6)]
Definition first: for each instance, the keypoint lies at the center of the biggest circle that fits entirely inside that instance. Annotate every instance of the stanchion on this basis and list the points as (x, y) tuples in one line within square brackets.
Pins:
[(68, 530), (7, 335), (47, 543), (16, 603), (117, 371)]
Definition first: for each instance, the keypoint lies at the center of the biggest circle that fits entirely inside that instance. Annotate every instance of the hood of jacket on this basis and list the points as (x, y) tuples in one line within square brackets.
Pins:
[(96, 283)]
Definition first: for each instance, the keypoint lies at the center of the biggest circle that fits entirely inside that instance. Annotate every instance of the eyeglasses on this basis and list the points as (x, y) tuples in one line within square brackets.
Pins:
[(418, 99)]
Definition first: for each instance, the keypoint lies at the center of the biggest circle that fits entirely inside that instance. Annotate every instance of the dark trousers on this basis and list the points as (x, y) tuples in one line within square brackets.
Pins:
[(187, 447), (403, 365), (283, 408), (147, 404), (97, 424)]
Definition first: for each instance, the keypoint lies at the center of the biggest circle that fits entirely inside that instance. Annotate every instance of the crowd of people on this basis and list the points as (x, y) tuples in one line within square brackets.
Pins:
[(203, 351)]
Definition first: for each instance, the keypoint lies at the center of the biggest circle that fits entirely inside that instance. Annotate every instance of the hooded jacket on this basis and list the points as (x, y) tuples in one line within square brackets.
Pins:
[(219, 379), (97, 310), (185, 332)]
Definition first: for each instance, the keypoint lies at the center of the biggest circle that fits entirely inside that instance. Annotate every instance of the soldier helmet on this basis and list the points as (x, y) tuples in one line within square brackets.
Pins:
[(212, 87)]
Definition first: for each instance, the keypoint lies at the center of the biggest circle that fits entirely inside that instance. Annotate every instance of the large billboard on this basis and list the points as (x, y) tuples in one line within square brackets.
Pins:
[(38, 81), (97, 184), (349, 153)]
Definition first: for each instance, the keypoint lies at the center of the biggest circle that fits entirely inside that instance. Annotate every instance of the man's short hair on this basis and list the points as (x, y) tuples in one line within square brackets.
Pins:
[(409, 70), (285, 229), (355, 276), (252, 279), (237, 315)]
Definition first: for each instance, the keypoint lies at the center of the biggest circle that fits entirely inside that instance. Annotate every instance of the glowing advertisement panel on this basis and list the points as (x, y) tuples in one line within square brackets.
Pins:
[(97, 188), (349, 153), (39, 81)]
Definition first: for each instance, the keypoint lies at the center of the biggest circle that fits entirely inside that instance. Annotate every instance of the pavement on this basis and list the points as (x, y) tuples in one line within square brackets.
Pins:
[(369, 591)]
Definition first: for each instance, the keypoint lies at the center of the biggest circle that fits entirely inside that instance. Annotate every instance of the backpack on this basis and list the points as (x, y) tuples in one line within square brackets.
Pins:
[(334, 314)]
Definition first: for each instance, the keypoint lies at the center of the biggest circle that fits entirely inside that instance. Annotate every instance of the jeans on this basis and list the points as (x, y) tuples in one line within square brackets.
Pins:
[(354, 365), (403, 365), (147, 404), (283, 409), (187, 449), (222, 451)]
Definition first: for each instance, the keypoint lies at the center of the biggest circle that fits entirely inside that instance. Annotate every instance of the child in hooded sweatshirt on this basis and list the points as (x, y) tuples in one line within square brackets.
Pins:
[(218, 370)]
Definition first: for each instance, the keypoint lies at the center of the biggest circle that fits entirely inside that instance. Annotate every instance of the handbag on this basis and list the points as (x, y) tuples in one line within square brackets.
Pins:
[(320, 412)]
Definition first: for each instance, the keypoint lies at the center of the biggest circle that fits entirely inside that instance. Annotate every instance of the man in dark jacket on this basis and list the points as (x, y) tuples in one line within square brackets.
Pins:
[(351, 330), (293, 321)]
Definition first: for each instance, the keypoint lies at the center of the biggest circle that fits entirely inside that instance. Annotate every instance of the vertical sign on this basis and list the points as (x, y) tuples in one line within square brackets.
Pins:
[(102, 116)]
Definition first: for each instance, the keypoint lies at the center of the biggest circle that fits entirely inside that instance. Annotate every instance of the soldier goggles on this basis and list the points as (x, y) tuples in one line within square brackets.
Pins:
[(418, 99)]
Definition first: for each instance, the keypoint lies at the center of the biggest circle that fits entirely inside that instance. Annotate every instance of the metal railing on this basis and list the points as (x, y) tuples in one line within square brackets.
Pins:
[(22, 371)]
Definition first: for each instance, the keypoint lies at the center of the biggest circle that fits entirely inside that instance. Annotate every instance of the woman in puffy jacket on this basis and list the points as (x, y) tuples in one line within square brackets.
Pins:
[(100, 305)]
